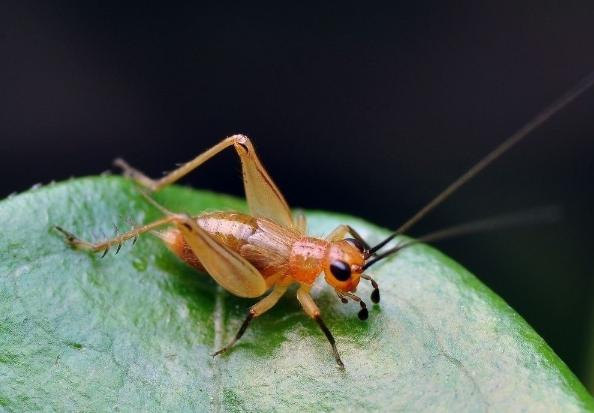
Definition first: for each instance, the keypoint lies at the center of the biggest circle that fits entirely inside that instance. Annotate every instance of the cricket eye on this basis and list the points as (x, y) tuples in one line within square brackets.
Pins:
[(356, 243), (340, 270)]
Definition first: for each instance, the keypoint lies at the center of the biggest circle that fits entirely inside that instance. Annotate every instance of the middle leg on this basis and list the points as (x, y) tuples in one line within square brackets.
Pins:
[(256, 310), (118, 240), (312, 310)]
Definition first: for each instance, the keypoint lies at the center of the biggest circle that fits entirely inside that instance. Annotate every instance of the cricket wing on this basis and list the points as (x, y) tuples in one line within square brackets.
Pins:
[(228, 268)]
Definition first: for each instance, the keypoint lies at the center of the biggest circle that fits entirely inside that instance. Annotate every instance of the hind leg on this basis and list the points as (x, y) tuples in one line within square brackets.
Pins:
[(263, 197)]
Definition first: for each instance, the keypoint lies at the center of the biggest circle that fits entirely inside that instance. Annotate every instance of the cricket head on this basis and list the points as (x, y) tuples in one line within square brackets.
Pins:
[(343, 265), (343, 269)]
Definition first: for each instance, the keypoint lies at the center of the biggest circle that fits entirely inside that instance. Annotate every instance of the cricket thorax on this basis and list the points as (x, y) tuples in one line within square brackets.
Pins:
[(306, 259)]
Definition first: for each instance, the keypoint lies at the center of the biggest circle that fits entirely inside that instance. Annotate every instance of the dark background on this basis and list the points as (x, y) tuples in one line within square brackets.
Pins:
[(364, 110)]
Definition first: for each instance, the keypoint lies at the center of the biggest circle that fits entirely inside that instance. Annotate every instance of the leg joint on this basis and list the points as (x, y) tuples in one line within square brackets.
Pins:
[(241, 141)]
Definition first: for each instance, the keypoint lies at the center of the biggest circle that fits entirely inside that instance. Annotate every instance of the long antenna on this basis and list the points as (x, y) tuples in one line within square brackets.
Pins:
[(520, 134), (548, 214)]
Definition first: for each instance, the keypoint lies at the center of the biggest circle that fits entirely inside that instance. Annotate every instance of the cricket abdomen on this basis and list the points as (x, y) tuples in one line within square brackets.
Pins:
[(265, 244), (230, 229)]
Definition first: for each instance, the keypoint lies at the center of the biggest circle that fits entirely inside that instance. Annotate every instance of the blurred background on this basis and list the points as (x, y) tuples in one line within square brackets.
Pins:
[(357, 109)]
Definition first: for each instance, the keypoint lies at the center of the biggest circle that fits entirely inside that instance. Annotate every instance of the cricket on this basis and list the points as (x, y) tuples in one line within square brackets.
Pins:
[(263, 253)]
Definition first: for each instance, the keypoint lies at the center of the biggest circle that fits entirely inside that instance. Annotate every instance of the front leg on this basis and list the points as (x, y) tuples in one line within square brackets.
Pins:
[(340, 231)]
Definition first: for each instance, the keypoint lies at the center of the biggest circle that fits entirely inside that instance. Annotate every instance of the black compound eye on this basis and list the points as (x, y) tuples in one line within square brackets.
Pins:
[(341, 270), (356, 243)]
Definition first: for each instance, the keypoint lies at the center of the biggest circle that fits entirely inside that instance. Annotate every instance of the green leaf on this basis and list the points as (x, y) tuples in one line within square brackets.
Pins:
[(134, 332)]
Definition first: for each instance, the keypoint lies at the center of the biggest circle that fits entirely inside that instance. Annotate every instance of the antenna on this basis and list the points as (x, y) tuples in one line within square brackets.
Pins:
[(507, 144), (548, 214)]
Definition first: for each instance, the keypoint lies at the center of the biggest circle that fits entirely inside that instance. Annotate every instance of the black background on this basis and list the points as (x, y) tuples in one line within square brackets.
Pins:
[(354, 108)]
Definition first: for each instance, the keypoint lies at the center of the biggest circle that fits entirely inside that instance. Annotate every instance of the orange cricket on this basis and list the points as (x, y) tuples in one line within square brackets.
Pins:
[(268, 250)]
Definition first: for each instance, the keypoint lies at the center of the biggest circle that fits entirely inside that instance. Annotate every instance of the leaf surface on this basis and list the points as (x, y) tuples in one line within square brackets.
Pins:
[(134, 332)]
